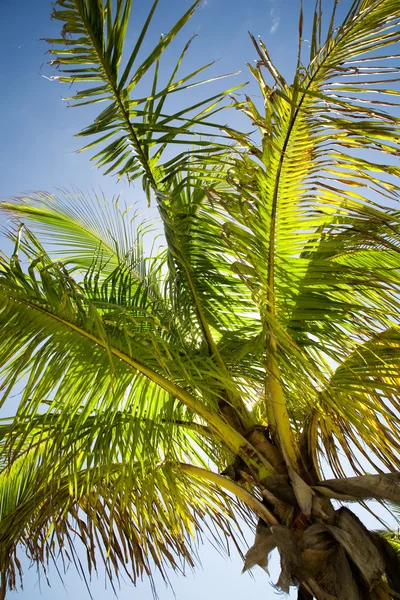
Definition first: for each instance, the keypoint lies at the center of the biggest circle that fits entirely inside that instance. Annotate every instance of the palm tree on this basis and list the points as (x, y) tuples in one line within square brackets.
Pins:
[(248, 366)]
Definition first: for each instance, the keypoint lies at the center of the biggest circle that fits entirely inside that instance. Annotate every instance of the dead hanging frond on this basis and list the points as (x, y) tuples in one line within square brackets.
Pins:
[(385, 486), (264, 543)]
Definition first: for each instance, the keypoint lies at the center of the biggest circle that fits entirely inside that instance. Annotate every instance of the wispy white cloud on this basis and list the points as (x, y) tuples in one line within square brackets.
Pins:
[(275, 17), (275, 25)]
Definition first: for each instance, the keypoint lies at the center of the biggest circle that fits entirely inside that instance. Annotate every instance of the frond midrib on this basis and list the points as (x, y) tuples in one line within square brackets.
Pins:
[(227, 434), (116, 93)]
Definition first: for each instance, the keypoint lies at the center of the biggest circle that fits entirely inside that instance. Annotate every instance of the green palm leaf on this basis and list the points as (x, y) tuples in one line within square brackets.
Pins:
[(110, 510), (91, 51), (303, 211)]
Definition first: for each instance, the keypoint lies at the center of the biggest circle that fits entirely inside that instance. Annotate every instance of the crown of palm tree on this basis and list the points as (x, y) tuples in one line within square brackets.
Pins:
[(260, 339)]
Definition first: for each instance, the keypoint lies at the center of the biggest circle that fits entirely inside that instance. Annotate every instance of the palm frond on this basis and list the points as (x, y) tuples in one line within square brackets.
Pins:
[(85, 226), (91, 51), (202, 284), (360, 404), (108, 511), (313, 245), (45, 311)]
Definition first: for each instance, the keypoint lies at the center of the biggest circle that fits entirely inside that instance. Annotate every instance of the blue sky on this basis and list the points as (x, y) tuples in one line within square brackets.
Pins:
[(38, 152)]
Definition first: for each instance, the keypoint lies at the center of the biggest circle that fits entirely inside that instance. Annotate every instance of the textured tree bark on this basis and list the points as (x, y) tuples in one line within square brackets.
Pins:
[(304, 594), (329, 554)]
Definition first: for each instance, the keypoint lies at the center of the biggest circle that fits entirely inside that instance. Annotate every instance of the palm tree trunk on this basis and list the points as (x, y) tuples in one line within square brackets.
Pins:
[(3, 584), (304, 594), (329, 554)]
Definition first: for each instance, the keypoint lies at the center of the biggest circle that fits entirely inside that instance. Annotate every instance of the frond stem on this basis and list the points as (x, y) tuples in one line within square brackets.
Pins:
[(116, 93), (234, 400), (275, 400), (232, 487)]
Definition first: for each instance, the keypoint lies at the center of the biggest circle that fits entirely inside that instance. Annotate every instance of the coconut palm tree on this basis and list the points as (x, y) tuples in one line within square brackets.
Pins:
[(245, 368)]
